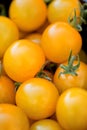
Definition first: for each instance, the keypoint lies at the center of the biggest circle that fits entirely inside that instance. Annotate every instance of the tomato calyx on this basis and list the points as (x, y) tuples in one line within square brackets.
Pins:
[(70, 68), (2, 10), (74, 21), (84, 13), (77, 22), (47, 70), (42, 73)]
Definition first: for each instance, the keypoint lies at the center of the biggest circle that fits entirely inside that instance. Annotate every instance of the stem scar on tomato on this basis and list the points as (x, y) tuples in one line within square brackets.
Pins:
[(69, 68), (77, 22), (74, 21)]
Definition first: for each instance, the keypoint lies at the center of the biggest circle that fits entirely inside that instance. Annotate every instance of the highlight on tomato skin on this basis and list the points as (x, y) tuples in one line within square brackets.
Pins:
[(43, 83), (22, 60), (47, 124), (60, 37), (71, 110), (35, 10), (62, 10), (72, 73), (13, 118), (8, 34), (38, 98), (34, 37)]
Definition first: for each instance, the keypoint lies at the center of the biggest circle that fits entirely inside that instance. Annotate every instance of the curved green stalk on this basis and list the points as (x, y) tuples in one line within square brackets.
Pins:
[(70, 68)]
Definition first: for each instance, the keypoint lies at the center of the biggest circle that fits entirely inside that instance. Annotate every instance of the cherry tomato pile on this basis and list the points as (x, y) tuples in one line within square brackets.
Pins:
[(43, 65)]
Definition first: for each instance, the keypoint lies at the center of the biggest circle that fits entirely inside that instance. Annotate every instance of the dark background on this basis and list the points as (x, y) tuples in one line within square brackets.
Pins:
[(6, 3)]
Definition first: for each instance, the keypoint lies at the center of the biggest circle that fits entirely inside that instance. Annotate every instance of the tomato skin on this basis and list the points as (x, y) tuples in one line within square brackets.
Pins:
[(8, 34), (46, 124), (22, 60), (35, 10), (12, 118), (58, 40), (71, 110), (34, 37), (7, 90), (66, 81), (37, 97), (61, 10)]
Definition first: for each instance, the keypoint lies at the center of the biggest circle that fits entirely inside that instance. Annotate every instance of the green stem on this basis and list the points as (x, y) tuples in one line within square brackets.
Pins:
[(74, 21), (84, 13), (70, 68)]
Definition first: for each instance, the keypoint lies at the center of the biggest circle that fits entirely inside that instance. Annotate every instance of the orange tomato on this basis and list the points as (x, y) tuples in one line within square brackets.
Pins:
[(46, 124), (7, 90), (28, 14), (34, 37), (61, 10), (71, 109), (66, 81), (22, 60), (37, 97), (13, 118), (8, 34), (57, 41)]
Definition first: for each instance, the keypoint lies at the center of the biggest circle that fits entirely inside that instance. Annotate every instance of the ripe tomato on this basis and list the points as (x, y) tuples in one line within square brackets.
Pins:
[(71, 110), (45, 124), (66, 81), (34, 37), (57, 41), (8, 34), (22, 60), (61, 10), (28, 14), (7, 90), (12, 118), (37, 97)]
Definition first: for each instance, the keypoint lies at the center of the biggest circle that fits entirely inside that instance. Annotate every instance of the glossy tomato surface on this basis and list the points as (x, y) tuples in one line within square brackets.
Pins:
[(7, 90), (37, 97), (58, 40), (22, 60), (66, 81), (46, 124), (62, 10), (71, 110), (8, 34), (13, 118), (28, 14), (34, 37)]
